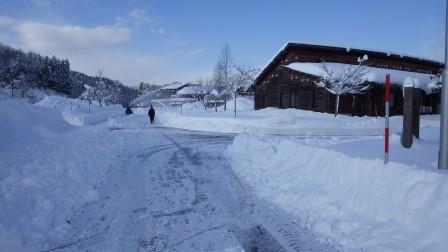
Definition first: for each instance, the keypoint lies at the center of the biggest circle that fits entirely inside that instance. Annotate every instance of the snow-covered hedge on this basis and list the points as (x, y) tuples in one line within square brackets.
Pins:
[(355, 203)]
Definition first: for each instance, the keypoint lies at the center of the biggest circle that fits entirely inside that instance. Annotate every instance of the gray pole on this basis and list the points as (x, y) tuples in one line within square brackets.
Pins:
[(408, 114), (443, 149)]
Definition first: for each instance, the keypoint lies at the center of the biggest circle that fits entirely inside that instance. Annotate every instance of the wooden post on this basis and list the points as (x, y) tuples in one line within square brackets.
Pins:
[(408, 112)]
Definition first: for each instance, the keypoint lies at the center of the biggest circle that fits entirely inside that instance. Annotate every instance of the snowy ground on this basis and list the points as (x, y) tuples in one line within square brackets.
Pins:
[(278, 121), (71, 181), (122, 185)]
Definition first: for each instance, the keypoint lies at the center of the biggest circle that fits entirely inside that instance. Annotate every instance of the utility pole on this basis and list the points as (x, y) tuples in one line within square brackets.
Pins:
[(443, 149)]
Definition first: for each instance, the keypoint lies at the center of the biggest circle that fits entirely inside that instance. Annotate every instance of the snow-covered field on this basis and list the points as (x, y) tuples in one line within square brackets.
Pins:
[(279, 121), (290, 180)]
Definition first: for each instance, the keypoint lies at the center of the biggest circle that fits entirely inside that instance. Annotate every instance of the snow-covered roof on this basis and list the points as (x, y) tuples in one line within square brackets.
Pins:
[(175, 85), (373, 74), (348, 49), (188, 90)]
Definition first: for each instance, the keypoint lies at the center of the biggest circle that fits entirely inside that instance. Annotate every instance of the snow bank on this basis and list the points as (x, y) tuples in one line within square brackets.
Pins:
[(48, 171), (242, 104), (353, 202), (194, 106), (278, 121), (24, 124), (76, 112)]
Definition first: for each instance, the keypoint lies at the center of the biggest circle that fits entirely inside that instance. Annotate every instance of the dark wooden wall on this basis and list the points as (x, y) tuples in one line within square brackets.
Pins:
[(277, 84), (290, 89)]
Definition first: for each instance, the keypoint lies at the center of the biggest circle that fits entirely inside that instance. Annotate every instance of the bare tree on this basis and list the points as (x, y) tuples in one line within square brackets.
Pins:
[(222, 74), (242, 78), (352, 80)]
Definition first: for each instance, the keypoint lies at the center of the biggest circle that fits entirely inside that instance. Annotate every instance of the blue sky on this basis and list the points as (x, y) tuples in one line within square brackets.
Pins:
[(180, 40)]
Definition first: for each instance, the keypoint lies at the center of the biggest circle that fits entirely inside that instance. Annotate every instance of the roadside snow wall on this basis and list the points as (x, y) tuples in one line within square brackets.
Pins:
[(24, 124), (48, 171), (353, 203), (76, 112)]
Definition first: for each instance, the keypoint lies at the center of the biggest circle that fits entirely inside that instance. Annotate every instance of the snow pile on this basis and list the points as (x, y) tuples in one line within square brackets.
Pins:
[(355, 203), (278, 121), (374, 74), (242, 104), (194, 106), (23, 124), (76, 112), (4, 94), (49, 170)]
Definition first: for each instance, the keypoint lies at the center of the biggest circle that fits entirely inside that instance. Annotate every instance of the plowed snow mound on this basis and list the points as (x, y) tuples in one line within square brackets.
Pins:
[(357, 203), (23, 124)]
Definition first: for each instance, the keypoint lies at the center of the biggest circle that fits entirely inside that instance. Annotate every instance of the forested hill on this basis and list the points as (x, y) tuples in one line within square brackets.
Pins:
[(22, 71), (101, 89)]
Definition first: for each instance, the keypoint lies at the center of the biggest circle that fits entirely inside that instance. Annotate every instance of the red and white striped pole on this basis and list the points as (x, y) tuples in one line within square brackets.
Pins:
[(386, 117)]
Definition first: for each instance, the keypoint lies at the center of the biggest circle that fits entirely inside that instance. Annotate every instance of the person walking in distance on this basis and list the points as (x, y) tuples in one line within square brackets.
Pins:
[(151, 114)]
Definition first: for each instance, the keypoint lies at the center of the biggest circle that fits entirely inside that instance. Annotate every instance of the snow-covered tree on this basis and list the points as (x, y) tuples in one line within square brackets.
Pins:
[(202, 91), (352, 80), (436, 83), (101, 90), (243, 76), (23, 71)]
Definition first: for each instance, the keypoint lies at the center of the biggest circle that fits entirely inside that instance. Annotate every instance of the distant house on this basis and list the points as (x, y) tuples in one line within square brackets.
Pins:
[(189, 91), (289, 80), (173, 88)]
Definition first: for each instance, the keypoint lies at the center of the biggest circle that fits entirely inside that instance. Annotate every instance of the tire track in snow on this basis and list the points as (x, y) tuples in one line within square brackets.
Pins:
[(253, 239), (85, 230)]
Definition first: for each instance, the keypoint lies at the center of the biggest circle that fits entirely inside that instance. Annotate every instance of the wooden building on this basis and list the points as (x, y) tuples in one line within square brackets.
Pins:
[(279, 85)]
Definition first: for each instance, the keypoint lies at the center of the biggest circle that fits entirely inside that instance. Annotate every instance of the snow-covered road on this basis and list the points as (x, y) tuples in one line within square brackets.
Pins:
[(173, 190)]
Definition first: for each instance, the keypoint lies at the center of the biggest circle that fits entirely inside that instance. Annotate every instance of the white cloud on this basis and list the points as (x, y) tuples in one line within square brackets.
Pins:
[(87, 48), (196, 52), (6, 21), (101, 47), (433, 46), (44, 37), (130, 68), (159, 30), (41, 3), (139, 17)]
